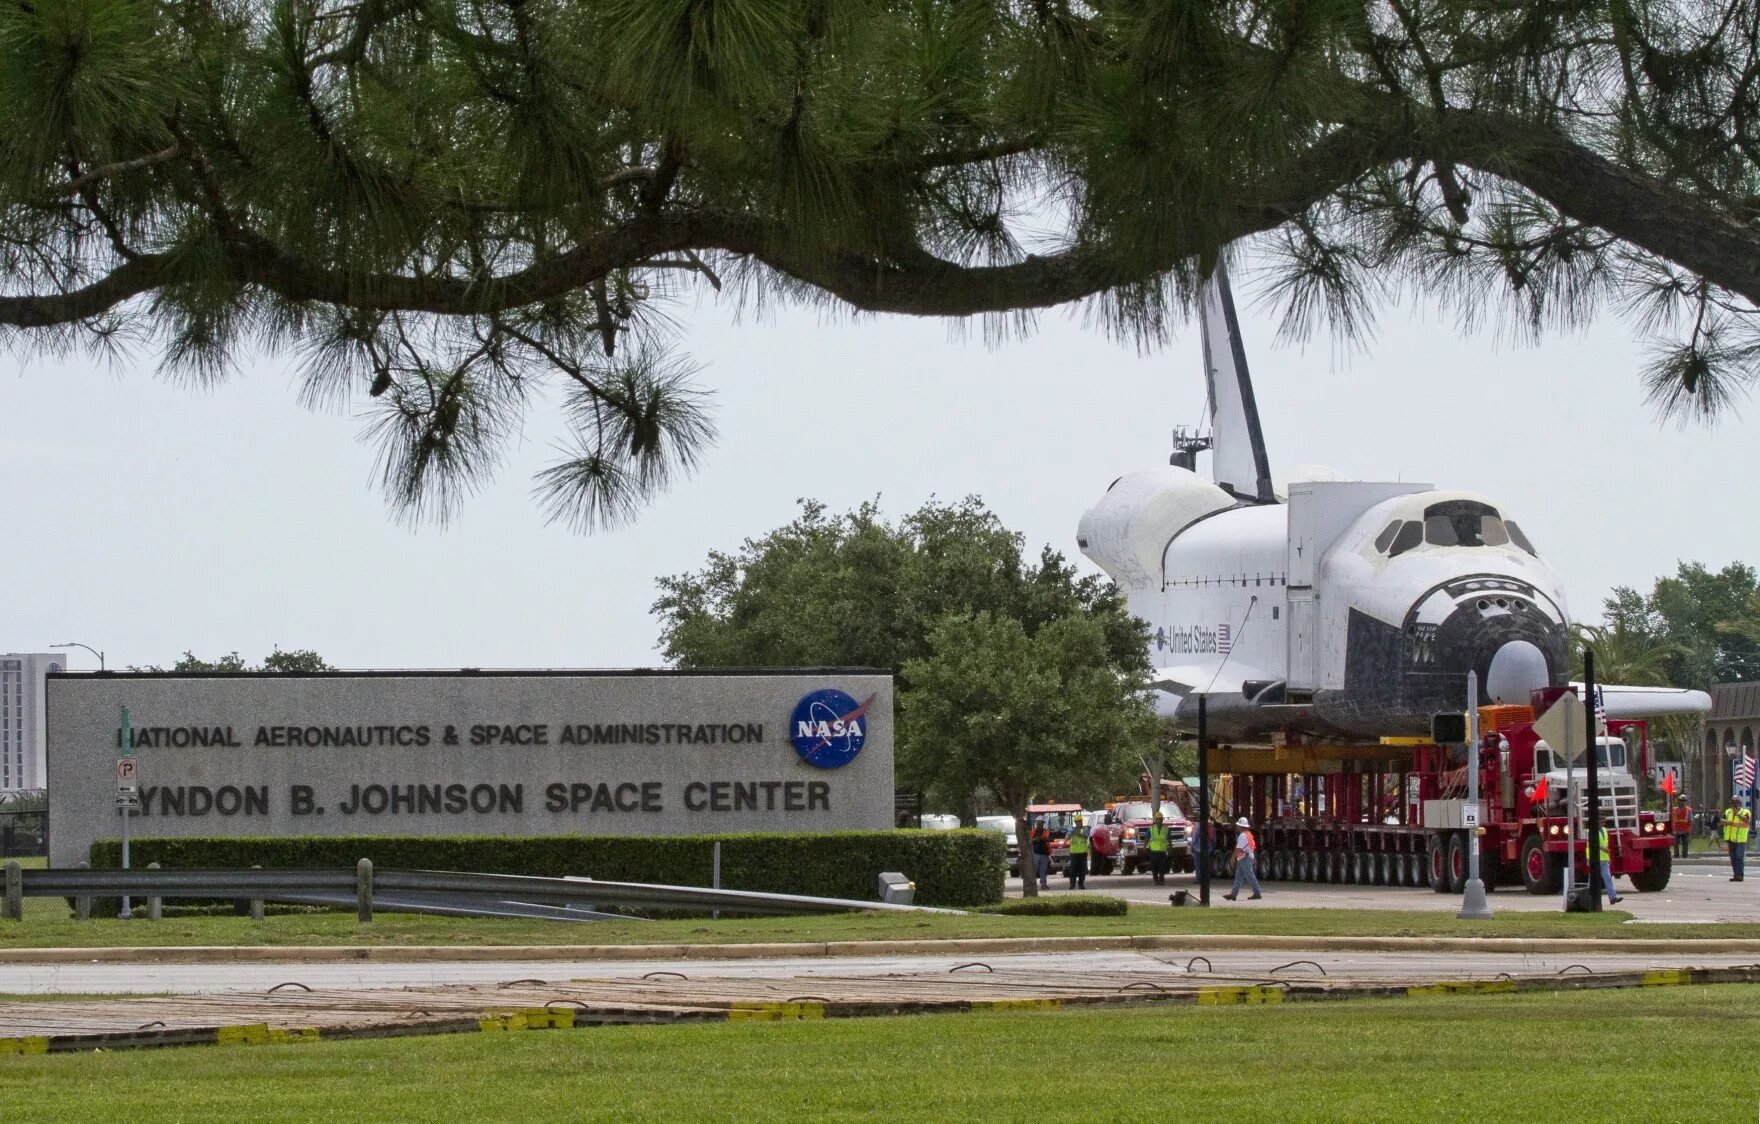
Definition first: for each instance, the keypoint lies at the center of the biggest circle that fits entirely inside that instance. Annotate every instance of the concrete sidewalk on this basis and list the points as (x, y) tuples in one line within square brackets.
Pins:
[(1700, 891)]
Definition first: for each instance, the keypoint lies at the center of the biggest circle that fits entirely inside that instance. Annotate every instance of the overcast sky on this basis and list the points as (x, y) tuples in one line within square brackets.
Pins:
[(145, 518)]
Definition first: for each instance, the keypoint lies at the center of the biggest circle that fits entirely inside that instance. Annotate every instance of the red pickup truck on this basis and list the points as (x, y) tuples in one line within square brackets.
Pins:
[(1134, 818)]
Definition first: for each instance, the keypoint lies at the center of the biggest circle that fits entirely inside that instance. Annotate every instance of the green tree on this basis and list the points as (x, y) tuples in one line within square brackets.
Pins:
[(856, 590), (1018, 716), (299, 659), (442, 207), (1622, 654), (1684, 615), (1745, 624)]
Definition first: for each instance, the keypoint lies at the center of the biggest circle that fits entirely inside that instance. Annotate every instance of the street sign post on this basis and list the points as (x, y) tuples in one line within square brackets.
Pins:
[(1474, 905), (1562, 728)]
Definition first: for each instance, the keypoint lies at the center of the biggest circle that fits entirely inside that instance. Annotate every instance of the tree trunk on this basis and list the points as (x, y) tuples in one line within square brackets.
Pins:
[(1029, 861)]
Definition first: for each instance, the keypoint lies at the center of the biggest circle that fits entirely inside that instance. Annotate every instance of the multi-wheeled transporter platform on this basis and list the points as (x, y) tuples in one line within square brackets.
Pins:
[(1394, 813)]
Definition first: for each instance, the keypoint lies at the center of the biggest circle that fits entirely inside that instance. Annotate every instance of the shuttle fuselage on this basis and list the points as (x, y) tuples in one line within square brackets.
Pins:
[(1353, 610)]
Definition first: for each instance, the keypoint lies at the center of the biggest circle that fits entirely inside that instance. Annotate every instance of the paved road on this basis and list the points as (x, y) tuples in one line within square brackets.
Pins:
[(195, 978), (1700, 891)]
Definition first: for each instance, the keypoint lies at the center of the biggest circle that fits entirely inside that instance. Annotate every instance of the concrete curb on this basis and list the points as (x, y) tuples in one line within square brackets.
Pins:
[(202, 954)]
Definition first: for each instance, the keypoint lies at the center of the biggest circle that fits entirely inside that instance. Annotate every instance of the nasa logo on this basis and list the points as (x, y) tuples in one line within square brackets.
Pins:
[(829, 728)]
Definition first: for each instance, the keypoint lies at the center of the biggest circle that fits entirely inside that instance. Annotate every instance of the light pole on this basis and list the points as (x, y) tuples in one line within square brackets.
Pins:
[(87, 647)]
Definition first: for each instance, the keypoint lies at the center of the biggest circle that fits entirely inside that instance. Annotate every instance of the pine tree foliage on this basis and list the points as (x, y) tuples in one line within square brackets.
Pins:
[(441, 206)]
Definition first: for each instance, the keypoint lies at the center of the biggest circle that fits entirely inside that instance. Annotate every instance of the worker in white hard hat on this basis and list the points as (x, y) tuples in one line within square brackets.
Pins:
[(1246, 849)]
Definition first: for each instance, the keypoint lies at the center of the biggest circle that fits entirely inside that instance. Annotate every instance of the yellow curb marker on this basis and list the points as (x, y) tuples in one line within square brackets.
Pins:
[(1461, 987), (763, 1009), (1667, 977), (1016, 1004), (1264, 993), (24, 1045)]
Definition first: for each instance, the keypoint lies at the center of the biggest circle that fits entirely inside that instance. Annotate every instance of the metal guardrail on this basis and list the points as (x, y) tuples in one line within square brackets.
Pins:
[(458, 893)]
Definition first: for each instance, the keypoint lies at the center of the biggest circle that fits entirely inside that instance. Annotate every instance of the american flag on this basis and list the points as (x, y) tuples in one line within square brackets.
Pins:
[(1744, 773), (1223, 640)]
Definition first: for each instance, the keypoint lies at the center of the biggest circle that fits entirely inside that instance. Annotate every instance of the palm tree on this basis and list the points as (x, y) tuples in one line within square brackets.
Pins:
[(1622, 654), (1747, 625)]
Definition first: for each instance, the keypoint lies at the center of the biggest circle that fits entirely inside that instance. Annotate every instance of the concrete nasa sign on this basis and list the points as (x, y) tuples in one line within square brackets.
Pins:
[(470, 753)]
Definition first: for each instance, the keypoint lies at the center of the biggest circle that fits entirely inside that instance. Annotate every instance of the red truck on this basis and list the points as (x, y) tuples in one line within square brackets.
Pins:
[(1132, 820), (1396, 814)]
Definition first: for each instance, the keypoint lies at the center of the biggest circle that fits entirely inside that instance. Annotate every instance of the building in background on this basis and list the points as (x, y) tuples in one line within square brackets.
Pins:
[(1734, 721), (22, 724)]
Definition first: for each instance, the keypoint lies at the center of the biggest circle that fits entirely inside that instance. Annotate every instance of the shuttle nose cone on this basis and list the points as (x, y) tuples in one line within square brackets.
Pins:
[(1517, 669)]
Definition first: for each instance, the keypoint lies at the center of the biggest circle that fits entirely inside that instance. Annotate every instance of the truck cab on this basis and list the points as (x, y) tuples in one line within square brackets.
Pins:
[(1619, 788)]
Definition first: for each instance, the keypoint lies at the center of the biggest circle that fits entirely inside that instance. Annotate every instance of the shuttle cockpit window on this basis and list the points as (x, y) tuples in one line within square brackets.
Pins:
[(1385, 539), (1464, 523), (1411, 534), (1516, 536)]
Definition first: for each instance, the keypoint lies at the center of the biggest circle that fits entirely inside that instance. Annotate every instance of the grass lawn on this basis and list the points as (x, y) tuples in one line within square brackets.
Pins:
[(48, 925), (1450, 1058)]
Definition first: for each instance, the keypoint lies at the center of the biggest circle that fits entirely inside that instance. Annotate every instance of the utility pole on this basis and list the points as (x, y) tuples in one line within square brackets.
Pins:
[(1203, 826), (1593, 740), (1474, 906)]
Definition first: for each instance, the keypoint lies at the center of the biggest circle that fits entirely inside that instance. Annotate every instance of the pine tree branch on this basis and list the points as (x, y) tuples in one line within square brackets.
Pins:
[(106, 171)]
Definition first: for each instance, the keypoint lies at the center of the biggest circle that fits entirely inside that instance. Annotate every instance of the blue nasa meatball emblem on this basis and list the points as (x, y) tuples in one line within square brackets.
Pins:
[(829, 728)]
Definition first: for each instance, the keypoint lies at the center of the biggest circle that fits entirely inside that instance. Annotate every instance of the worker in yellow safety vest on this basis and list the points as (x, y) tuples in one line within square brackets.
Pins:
[(1159, 838), (1737, 819), (1078, 855), (1606, 865)]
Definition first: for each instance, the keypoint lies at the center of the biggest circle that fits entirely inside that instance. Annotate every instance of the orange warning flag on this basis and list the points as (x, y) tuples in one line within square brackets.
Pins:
[(1668, 783), (1540, 791)]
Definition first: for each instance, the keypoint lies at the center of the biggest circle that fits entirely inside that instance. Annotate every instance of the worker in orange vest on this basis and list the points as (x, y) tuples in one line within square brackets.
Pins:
[(1680, 821), (1246, 851)]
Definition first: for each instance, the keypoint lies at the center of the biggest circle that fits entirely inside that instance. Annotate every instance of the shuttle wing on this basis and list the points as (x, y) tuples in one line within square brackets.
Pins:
[(1649, 702), (1173, 684)]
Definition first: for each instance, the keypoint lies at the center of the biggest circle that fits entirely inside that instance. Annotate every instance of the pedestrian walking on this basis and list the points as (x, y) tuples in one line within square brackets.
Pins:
[(1158, 848), (1680, 821), (1737, 819), (1041, 841), (1246, 850), (1606, 867), (1078, 855)]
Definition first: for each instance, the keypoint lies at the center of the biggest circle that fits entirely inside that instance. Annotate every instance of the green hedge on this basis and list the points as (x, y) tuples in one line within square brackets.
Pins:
[(1076, 905), (950, 868)]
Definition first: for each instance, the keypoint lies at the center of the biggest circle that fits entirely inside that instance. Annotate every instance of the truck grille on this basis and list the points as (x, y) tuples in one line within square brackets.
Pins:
[(1619, 807)]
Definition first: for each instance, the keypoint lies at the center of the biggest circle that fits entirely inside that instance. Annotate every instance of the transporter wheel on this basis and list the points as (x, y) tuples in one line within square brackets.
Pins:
[(1541, 873), (1457, 862), (1335, 867), (1364, 876), (1436, 861), (1383, 868), (1408, 869), (1658, 865)]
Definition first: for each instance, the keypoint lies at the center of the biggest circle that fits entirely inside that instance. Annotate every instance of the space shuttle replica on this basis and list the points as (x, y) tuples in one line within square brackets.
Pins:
[(1342, 610)]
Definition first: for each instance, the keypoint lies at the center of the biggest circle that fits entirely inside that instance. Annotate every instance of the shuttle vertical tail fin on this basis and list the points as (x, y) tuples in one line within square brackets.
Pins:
[(1238, 461)]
